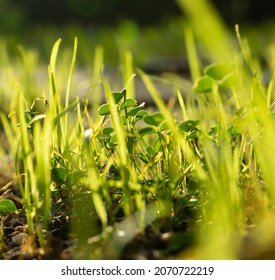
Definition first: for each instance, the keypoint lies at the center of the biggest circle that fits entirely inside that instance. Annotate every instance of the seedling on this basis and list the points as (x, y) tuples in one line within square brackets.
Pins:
[(7, 207)]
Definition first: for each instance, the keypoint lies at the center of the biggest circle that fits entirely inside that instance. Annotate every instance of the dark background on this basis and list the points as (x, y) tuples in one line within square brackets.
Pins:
[(13, 13)]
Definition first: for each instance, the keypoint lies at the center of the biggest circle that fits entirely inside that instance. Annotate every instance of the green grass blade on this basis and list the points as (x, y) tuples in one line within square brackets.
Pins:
[(193, 59), (98, 68), (209, 28), (128, 74), (54, 97), (67, 97)]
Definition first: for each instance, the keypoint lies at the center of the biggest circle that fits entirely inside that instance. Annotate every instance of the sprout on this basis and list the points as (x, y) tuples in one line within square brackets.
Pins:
[(7, 206)]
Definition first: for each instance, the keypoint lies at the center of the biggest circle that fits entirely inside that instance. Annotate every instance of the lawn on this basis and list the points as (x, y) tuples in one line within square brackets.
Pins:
[(188, 178)]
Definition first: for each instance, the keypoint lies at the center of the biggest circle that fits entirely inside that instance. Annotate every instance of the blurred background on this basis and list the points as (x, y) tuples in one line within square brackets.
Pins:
[(14, 13), (138, 25), (19, 16), (149, 28), (153, 31)]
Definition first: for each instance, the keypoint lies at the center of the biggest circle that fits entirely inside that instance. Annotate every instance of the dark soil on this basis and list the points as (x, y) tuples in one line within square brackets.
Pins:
[(18, 244)]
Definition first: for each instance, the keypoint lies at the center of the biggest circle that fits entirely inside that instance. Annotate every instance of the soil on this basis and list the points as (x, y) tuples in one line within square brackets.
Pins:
[(18, 244)]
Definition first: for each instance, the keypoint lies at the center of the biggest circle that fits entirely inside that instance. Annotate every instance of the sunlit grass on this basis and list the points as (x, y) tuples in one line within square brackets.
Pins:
[(117, 170)]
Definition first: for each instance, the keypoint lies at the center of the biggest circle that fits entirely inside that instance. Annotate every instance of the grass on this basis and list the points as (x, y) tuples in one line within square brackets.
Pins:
[(101, 176)]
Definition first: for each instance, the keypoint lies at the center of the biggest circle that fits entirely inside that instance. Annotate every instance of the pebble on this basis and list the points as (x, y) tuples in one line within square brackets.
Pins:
[(18, 238)]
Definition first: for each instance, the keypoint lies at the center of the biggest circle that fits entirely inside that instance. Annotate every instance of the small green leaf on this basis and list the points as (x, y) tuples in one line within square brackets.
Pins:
[(29, 115), (119, 95), (234, 130), (150, 151), (155, 119), (189, 125), (146, 130), (230, 80), (194, 134), (164, 126), (113, 141), (123, 119), (213, 131), (203, 84), (134, 111), (218, 71), (107, 131), (74, 178), (157, 145), (141, 114), (104, 110), (129, 102), (59, 175), (7, 206)]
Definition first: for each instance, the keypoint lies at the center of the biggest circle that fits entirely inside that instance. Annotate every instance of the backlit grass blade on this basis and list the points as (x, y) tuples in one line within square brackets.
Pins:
[(98, 68), (192, 56), (67, 97), (42, 149), (94, 181), (209, 28), (128, 74), (54, 97), (182, 106), (11, 132), (65, 111), (53, 56), (28, 188)]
